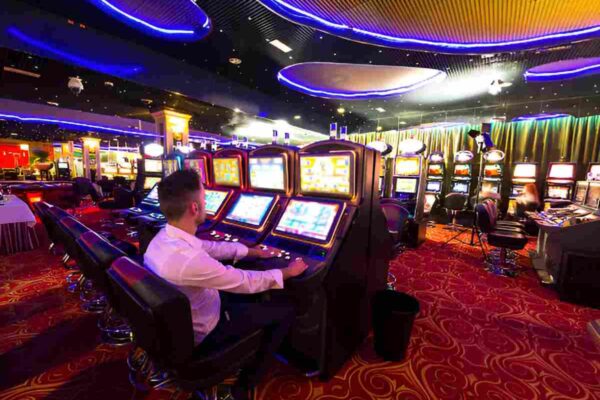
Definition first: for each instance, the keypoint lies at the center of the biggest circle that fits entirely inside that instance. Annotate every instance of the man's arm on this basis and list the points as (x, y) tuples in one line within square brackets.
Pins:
[(224, 250)]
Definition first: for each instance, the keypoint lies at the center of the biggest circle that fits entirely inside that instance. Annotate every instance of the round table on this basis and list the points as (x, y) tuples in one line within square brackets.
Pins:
[(16, 226)]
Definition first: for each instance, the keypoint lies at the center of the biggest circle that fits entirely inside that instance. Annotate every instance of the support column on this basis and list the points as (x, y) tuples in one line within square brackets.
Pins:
[(173, 127), (90, 145)]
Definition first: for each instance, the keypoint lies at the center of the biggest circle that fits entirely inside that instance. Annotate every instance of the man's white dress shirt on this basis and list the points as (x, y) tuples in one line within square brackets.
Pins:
[(192, 266)]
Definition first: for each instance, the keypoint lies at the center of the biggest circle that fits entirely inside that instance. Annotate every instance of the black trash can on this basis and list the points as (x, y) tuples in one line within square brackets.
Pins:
[(393, 317)]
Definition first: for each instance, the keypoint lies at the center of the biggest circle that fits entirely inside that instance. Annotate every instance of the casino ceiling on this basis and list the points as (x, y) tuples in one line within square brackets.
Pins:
[(461, 60)]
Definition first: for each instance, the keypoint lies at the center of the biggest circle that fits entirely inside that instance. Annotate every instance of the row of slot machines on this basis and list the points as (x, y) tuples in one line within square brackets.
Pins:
[(319, 203)]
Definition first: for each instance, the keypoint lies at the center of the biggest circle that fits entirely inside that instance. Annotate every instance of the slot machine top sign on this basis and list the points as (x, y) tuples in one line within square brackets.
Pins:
[(463, 156), (411, 147)]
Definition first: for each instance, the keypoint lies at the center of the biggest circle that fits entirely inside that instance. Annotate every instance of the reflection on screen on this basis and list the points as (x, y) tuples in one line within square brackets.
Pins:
[(153, 195), (593, 196), (407, 166), (562, 171), (267, 173), (199, 166), (489, 187), (462, 170), (492, 171), (250, 209), (434, 186), (404, 185), (213, 200), (524, 171), (151, 181), (435, 169), (326, 174), (310, 219), (152, 165), (227, 171), (558, 192), (580, 193), (460, 187)]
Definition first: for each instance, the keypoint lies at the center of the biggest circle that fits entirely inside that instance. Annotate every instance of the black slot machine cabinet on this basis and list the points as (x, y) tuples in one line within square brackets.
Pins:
[(271, 178), (493, 172), (336, 225), (63, 171), (560, 182), (522, 174), (201, 162), (150, 167), (229, 179), (387, 167), (435, 180), (405, 183), (462, 173), (582, 187)]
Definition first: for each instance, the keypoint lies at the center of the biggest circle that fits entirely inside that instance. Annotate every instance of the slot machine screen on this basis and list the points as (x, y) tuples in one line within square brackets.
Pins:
[(407, 166), (406, 185), (558, 192), (309, 219), (434, 186), (150, 181), (561, 171), (198, 165), (492, 171), (593, 196), (462, 170), (63, 165), (524, 171), (460, 187), (250, 209), (227, 171), (490, 187), (153, 166), (435, 170), (327, 174), (267, 173), (580, 192), (214, 200), (517, 190)]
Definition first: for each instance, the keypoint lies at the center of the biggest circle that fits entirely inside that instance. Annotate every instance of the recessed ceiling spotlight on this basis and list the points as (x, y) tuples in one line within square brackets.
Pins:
[(402, 122), (109, 84), (381, 110), (237, 110), (235, 61), (52, 103), (281, 46), (341, 110), (297, 117), (379, 128)]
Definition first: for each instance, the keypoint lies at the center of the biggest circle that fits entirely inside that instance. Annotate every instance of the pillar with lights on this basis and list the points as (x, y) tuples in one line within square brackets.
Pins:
[(91, 145)]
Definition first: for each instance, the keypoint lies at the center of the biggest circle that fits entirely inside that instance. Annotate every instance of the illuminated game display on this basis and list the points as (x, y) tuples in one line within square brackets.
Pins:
[(561, 171), (151, 166), (580, 192), (434, 186), (214, 199), (407, 166), (489, 187), (435, 170), (199, 166), (250, 209), (267, 173), (462, 170), (524, 171), (328, 174), (406, 185), (227, 171), (558, 192), (492, 171), (593, 195), (63, 165), (309, 219), (150, 181), (460, 187)]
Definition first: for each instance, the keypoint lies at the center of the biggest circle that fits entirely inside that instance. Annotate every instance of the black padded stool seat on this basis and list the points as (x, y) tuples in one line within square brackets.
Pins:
[(161, 321), (508, 240)]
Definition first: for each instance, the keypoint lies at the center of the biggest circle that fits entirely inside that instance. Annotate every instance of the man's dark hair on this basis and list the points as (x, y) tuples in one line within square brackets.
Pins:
[(175, 192)]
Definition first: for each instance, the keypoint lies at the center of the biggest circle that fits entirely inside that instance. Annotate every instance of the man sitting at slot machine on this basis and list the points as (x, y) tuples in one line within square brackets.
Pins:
[(193, 266)]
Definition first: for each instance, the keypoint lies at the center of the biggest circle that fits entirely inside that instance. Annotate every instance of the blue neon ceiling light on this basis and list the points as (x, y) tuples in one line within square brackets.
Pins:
[(540, 117), (111, 69), (304, 17), (571, 70), (192, 23), (354, 95)]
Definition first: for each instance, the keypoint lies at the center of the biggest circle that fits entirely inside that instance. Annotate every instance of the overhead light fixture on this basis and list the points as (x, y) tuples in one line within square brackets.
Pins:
[(381, 110), (235, 61), (237, 110), (402, 122), (297, 117), (379, 128), (341, 110), (52, 103), (281, 46)]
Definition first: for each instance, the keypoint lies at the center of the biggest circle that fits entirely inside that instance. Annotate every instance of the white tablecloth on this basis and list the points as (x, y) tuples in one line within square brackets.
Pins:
[(15, 210)]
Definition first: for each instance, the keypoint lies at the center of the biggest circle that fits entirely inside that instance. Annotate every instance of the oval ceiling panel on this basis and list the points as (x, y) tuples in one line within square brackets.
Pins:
[(174, 19), (449, 26), (565, 69), (356, 81)]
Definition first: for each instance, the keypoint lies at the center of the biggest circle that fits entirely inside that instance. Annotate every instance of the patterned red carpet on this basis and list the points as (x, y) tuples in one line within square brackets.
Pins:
[(477, 336)]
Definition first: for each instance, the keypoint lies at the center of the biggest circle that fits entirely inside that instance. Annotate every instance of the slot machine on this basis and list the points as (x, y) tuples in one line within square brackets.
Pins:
[(387, 167), (523, 173), (335, 224), (201, 162), (435, 180), (63, 171), (560, 182), (583, 187), (271, 172), (150, 167), (462, 173), (493, 171)]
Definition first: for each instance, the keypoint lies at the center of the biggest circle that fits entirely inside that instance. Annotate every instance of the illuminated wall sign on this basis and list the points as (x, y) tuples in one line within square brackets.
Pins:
[(154, 150)]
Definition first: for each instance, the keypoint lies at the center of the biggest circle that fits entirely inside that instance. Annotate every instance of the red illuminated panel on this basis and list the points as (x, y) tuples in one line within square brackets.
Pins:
[(435, 169), (492, 171), (462, 170)]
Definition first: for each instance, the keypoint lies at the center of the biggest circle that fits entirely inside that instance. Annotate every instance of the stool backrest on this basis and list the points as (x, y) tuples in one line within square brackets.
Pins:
[(71, 231), (97, 255), (483, 220), (395, 214), (159, 314), (455, 201)]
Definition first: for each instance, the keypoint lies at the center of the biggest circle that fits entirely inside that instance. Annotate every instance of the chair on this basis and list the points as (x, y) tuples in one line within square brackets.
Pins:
[(122, 198), (160, 318), (146, 233), (502, 239), (55, 214), (84, 190), (396, 216), (455, 203), (41, 209), (71, 230)]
